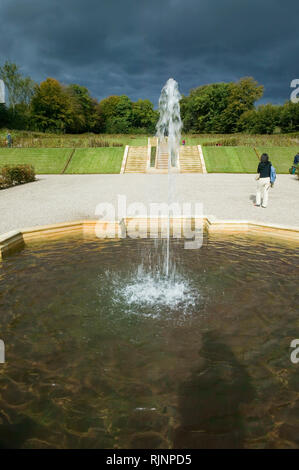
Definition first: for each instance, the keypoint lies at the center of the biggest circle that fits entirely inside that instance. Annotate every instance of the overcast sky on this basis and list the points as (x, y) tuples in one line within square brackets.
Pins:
[(133, 46)]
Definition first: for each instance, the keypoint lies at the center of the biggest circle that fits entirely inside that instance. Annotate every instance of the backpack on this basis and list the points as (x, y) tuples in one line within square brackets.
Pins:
[(272, 175)]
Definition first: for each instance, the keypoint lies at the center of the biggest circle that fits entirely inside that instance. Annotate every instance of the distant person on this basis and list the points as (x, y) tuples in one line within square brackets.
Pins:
[(183, 142), (263, 181), (293, 168), (9, 140)]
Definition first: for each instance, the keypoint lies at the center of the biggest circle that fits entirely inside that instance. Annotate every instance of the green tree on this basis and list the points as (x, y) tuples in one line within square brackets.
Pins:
[(116, 113), (86, 119), (202, 109), (4, 117), (52, 107), (122, 121), (248, 122), (218, 107), (289, 117), (242, 97), (20, 89), (262, 120), (144, 116), (106, 107)]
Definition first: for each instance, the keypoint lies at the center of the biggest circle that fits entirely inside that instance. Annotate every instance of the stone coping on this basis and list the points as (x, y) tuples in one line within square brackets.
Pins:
[(17, 239), (202, 159), (124, 160)]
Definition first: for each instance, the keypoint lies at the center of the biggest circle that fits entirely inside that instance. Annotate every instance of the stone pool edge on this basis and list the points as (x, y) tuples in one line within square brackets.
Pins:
[(16, 239)]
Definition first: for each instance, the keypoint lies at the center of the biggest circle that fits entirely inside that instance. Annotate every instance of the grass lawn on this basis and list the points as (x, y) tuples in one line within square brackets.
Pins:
[(96, 160), (43, 160), (281, 157), (230, 159), (108, 159)]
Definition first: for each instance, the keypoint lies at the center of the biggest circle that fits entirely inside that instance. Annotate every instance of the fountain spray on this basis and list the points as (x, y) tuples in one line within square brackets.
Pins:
[(169, 126)]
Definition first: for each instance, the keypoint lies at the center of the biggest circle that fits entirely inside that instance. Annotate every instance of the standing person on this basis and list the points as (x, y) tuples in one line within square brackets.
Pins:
[(9, 140), (183, 142), (263, 181), (293, 168)]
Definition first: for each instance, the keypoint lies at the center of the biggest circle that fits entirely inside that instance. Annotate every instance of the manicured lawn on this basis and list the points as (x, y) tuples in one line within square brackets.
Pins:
[(281, 157), (96, 160), (43, 160), (230, 159), (109, 159)]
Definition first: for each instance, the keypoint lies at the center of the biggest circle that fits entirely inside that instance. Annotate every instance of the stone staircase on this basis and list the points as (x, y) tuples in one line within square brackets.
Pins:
[(136, 160), (190, 161), (162, 158)]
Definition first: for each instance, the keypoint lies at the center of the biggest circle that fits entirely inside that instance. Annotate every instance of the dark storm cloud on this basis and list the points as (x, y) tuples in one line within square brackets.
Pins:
[(133, 46)]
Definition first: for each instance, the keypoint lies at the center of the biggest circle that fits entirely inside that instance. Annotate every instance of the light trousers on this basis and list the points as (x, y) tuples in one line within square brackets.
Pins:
[(262, 191)]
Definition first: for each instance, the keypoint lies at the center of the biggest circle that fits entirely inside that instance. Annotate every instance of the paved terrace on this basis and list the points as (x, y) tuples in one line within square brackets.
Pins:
[(62, 198)]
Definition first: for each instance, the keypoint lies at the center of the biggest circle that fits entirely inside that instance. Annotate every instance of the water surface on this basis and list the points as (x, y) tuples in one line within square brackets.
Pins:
[(103, 352)]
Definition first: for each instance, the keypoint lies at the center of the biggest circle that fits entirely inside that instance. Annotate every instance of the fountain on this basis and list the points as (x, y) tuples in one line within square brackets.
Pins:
[(170, 125)]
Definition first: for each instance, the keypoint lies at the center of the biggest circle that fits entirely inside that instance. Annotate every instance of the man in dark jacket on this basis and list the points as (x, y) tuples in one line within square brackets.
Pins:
[(296, 159)]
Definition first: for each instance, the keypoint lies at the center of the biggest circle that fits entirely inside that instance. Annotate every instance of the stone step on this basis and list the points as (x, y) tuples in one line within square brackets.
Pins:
[(136, 160), (135, 164), (162, 159), (190, 161), (190, 164)]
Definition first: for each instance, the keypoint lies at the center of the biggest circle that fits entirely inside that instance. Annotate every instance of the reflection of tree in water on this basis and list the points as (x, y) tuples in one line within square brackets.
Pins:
[(209, 401)]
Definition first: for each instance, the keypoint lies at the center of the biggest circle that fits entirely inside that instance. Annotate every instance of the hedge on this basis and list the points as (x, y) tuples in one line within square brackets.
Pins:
[(12, 175)]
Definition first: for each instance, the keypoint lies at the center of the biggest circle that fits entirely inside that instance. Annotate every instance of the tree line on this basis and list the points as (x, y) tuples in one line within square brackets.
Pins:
[(54, 107), (222, 108), (227, 108)]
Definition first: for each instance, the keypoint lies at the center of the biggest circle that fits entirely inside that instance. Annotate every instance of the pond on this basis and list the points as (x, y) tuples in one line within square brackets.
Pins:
[(102, 351)]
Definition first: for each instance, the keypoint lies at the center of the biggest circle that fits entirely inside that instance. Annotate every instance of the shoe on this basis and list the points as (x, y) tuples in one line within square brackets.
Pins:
[(257, 205), (264, 207)]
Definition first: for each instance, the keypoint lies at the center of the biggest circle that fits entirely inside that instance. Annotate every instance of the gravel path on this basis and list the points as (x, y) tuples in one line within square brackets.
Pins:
[(61, 198)]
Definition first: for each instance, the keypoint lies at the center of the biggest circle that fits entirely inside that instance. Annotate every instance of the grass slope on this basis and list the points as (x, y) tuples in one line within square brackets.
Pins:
[(43, 160), (281, 157), (230, 159), (96, 160)]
